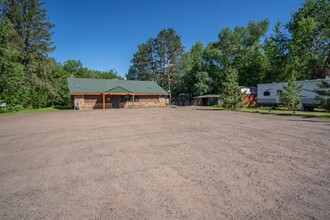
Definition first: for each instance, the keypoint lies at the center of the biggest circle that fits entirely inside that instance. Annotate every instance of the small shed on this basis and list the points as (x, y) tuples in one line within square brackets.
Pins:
[(207, 100), (182, 100)]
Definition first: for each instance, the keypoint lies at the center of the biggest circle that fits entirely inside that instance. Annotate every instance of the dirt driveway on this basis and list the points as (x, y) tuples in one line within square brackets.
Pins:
[(181, 163)]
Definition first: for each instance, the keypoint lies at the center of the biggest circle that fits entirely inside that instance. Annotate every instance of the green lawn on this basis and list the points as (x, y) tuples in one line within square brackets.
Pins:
[(26, 111), (318, 113)]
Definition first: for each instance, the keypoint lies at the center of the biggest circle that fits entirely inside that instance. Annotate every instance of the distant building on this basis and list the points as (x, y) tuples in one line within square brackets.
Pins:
[(249, 98), (113, 93), (207, 100), (183, 99)]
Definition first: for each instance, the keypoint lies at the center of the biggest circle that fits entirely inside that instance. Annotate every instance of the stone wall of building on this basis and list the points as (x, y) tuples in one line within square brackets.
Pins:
[(93, 102), (147, 101), (87, 102), (79, 101)]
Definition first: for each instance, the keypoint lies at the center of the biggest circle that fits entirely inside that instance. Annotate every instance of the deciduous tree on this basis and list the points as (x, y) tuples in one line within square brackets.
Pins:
[(310, 37), (276, 50)]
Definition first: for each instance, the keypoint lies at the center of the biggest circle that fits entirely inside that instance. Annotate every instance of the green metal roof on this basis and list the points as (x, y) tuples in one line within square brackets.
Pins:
[(118, 89), (82, 85)]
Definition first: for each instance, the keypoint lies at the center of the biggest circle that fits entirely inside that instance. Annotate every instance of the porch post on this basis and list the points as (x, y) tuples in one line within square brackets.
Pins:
[(133, 100), (103, 95)]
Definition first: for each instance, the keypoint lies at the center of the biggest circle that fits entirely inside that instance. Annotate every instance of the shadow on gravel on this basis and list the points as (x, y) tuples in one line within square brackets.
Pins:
[(295, 115), (324, 117), (326, 122), (63, 107), (208, 109)]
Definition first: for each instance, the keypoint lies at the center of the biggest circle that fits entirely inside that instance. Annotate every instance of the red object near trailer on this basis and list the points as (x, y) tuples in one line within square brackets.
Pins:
[(249, 96), (250, 100)]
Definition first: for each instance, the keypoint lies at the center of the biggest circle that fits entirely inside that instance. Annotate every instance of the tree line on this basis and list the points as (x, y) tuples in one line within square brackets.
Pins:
[(244, 56), (29, 78), (241, 56)]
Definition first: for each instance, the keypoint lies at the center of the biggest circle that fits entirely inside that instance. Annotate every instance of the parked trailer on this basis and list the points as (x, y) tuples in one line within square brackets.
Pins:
[(268, 94)]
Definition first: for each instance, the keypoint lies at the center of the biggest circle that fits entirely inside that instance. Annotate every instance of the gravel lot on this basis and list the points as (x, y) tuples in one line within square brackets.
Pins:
[(179, 163)]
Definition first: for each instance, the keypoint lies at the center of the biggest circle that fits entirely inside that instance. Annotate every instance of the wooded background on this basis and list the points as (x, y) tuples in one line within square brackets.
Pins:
[(243, 56)]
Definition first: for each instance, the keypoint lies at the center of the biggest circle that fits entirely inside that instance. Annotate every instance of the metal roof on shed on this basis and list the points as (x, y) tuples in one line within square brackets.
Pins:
[(83, 85), (207, 96)]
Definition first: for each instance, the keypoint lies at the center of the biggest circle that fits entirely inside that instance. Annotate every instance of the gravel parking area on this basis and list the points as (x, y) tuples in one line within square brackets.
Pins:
[(179, 163)]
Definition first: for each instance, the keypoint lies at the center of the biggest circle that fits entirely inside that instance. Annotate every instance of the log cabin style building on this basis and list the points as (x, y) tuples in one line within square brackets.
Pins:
[(112, 93)]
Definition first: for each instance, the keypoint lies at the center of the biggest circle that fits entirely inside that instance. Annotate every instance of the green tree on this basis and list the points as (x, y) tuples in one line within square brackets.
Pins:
[(323, 95), (12, 87), (158, 59), (290, 97), (168, 52), (212, 66), (31, 23), (277, 57), (132, 74), (310, 36), (143, 61), (75, 68), (110, 74), (231, 94), (196, 80), (44, 89), (241, 49), (202, 84), (223, 55), (251, 64)]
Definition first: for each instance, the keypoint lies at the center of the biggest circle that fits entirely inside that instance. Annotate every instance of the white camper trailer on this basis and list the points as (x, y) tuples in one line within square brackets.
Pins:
[(268, 94)]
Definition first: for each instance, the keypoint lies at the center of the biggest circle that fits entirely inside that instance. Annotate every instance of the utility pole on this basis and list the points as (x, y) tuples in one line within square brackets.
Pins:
[(169, 87), (169, 83)]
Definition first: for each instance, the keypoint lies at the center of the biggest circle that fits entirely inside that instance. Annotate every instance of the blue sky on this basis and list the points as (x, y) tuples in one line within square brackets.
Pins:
[(104, 34)]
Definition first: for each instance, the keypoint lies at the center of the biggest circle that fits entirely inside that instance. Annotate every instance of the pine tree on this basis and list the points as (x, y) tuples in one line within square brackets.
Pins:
[(290, 97), (158, 58), (231, 94), (31, 23), (323, 93)]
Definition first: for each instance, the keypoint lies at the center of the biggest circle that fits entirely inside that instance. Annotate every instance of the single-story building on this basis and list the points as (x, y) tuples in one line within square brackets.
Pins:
[(113, 93)]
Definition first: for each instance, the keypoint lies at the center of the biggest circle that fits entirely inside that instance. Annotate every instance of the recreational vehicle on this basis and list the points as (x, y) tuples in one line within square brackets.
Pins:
[(269, 94)]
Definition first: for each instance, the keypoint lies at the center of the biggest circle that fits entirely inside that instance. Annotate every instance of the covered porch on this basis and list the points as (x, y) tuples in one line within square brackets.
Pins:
[(117, 98)]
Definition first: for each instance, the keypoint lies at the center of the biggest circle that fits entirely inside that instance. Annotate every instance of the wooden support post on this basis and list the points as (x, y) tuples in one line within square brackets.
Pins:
[(103, 101), (133, 101)]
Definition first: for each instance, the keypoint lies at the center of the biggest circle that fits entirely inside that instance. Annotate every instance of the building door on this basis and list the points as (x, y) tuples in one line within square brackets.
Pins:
[(115, 101), (205, 101)]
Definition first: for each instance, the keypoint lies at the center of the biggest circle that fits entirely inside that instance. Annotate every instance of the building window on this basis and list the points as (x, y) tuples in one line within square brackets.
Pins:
[(267, 93), (136, 98)]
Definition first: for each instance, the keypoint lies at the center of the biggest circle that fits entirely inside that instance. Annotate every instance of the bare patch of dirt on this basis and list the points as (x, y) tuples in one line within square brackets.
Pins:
[(181, 163)]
